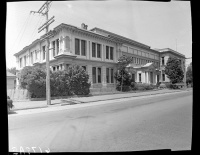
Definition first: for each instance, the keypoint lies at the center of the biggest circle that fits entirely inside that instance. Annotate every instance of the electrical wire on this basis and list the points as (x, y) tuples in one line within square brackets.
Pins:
[(22, 28)]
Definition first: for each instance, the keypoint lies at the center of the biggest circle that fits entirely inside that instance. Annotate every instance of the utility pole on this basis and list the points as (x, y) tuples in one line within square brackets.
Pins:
[(45, 7)]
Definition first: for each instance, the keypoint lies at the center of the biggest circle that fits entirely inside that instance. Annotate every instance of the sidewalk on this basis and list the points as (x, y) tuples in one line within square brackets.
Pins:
[(80, 100)]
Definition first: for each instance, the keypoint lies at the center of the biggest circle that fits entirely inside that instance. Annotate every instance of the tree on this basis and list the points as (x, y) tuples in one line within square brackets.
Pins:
[(173, 70), (79, 84), (122, 75), (189, 77), (12, 70)]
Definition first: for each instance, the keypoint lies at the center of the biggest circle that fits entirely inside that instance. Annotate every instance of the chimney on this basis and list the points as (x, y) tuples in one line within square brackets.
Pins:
[(83, 26)]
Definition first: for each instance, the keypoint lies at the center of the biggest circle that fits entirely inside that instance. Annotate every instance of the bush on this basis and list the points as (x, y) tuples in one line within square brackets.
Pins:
[(79, 80), (62, 83), (162, 85)]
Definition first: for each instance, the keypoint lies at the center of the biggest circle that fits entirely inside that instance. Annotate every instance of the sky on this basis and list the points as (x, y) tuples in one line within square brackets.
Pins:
[(156, 24)]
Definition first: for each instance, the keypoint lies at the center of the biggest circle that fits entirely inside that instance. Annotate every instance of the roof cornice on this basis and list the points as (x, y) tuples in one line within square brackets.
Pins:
[(123, 38)]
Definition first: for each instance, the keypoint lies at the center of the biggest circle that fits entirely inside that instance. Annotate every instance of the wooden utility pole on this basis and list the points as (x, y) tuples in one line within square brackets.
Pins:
[(45, 7)]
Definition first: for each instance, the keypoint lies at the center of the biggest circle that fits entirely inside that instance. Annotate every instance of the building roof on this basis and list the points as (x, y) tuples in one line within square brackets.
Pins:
[(110, 34), (10, 74), (169, 50), (63, 25)]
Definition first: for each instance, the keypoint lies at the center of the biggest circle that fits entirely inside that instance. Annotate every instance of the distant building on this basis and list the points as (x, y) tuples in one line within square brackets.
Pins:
[(96, 50), (11, 80), (165, 53)]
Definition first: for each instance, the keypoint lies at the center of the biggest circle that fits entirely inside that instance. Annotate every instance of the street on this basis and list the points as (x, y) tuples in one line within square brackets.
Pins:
[(143, 123)]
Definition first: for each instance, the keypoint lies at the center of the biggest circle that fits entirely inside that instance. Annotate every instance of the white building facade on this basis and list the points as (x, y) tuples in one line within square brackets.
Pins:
[(96, 50)]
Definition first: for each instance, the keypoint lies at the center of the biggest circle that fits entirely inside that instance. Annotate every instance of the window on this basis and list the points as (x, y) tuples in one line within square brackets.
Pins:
[(31, 57), (107, 75), (43, 51), (111, 53), (133, 77), (77, 46), (24, 60), (83, 47), (163, 77), (94, 74), (140, 79), (54, 44), (93, 50), (20, 62), (107, 52), (35, 55), (98, 51), (57, 42), (163, 61), (112, 76), (99, 75)]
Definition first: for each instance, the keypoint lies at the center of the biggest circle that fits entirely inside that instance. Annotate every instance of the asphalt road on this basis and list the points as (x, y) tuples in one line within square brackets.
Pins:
[(143, 123)]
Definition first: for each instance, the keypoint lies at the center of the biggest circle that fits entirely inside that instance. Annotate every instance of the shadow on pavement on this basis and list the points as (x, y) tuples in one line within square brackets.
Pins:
[(11, 112)]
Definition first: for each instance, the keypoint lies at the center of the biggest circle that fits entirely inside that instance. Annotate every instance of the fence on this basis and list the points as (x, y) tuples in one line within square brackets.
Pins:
[(18, 94)]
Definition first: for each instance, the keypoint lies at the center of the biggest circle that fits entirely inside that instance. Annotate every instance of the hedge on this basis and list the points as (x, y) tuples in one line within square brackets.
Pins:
[(62, 83)]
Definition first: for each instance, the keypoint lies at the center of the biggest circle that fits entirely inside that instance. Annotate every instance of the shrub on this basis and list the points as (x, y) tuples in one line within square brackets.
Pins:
[(79, 80), (36, 83), (60, 83), (162, 85)]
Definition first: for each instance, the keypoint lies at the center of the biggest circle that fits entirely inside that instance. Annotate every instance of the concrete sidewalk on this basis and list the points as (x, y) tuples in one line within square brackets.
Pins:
[(79, 100)]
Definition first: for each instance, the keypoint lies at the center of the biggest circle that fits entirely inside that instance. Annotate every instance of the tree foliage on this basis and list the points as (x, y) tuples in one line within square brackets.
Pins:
[(189, 76), (173, 70), (62, 83), (12, 70), (79, 80), (122, 76)]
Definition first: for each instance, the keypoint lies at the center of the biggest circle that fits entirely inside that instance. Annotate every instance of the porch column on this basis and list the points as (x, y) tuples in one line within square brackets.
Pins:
[(147, 73), (104, 76), (156, 76)]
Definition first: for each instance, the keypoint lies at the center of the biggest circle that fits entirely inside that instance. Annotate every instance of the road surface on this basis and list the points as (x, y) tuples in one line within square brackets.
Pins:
[(140, 123)]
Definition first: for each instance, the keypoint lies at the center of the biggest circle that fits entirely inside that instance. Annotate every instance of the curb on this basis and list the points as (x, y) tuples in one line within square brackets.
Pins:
[(65, 102), (79, 102)]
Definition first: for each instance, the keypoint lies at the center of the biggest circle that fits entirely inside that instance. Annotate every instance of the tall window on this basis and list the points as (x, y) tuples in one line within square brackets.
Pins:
[(133, 77), (163, 77), (94, 74), (99, 75), (20, 62), (107, 52), (112, 76), (140, 79), (83, 47), (43, 51), (111, 53), (31, 57), (24, 60), (57, 42), (93, 50), (163, 61), (54, 46), (77, 46), (98, 51), (107, 75), (35, 55)]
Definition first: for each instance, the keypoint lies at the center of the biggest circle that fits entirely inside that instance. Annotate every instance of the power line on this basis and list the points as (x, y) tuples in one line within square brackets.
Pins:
[(22, 28), (23, 33)]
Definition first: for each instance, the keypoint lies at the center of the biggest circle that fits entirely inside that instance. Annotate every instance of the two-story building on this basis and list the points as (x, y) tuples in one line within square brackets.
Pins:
[(165, 53), (96, 50)]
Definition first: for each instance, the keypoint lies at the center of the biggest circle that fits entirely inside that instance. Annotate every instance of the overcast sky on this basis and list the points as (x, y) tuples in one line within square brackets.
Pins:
[(156, 24)]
